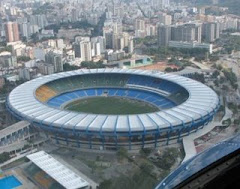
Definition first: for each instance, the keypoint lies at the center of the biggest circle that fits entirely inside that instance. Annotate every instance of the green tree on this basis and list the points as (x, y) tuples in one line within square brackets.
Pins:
[(68, 67), (92, 65), (4, 157), (168, 69), (122, 153), (23, 58), (106, 184)]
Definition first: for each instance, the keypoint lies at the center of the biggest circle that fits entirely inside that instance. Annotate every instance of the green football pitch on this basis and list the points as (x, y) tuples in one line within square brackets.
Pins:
[(111, 105)]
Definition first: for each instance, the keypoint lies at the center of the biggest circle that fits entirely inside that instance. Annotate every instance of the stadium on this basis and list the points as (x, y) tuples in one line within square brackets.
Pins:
[(112, 108)]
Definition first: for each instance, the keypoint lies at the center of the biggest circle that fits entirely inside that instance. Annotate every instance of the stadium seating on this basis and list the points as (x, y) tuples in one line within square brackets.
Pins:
[(154, 83), (40, 177), (155, 99), (88, 81), (44, 93), (82, 86)]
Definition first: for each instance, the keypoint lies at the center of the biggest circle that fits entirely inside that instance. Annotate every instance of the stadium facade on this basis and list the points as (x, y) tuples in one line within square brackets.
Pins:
[(184, 107)]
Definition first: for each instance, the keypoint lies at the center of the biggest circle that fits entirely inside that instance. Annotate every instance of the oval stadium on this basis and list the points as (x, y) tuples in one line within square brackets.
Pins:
[(112, 108)]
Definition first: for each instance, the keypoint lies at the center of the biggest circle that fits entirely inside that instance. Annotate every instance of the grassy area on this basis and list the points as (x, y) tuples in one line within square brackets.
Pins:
[(15, 163), (111, 105), (139, 180)]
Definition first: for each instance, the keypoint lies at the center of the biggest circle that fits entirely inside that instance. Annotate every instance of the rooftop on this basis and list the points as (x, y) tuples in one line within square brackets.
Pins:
[(15, 127), (57, 171)]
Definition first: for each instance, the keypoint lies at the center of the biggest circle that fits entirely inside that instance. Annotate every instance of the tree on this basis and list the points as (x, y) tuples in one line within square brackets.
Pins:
[(105, 184), (219, 67), (231, 77), (68, 67), (145, 151), (236, 121), (23, 58), (92, 65), (225, 87), (167, 159), (216, 82), (198, 77), (146, 168), (122, 153), (215, 74), (168, 69), (221, 108), (213, 58), (6, 48), (4, 157)]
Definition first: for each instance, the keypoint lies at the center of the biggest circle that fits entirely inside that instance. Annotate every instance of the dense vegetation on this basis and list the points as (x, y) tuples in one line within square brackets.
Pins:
[(23, 58), (163, 53), (68, 67), (233, 5), (67, 25), (144, 177), (231, 43), (92, 65), (4, 157), (84, 64), (6, 48), (44, 9)]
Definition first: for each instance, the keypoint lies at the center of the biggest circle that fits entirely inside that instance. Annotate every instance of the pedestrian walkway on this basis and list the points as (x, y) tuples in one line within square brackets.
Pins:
[(188, 141)]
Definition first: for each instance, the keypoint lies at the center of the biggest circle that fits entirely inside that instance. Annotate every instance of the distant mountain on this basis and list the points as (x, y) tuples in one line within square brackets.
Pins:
[(233, 5)]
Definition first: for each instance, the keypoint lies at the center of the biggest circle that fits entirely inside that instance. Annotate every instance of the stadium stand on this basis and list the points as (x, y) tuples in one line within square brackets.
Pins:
[(44, 93), (152, 98), (93, 83), (41, 178)]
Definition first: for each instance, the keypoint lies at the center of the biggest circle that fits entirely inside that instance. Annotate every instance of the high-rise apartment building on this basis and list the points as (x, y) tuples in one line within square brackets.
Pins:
[(55, 59), (187, 33), (140, 24), (86, 48), (210, 31), (164, 35), (165, 19), (12, 32)]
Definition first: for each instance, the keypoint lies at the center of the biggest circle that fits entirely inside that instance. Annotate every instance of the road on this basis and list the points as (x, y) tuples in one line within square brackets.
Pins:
[(200, 65)]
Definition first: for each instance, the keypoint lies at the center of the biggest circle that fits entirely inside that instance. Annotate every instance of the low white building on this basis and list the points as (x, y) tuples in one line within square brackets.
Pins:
[(191, 45)]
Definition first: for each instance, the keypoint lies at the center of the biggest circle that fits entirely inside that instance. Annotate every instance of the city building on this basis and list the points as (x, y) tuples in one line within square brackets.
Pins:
[(77, 49), (187, 33), (86, 51), (39, 20), (11, 31), (99, 44), (44, 68), (164, 35), (130, 45), (55, 59), (165, 19), (7, 60), (115, 55), (210, 31), (24, 74), (191, 45)]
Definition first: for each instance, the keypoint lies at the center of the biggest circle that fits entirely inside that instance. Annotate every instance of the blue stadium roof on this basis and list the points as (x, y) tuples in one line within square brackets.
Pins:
[(200, 161)]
